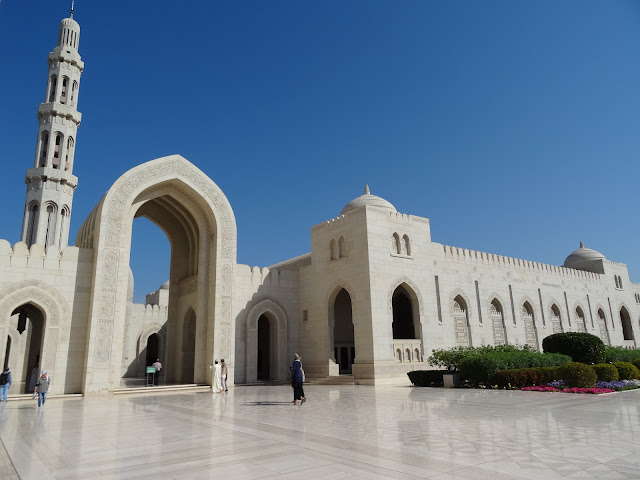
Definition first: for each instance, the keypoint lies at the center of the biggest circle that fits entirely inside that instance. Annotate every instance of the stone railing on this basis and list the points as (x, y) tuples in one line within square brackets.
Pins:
[(408, 351)]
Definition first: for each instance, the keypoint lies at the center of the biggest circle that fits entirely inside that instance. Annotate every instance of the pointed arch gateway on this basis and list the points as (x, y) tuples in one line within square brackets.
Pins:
[(266, 354), (200, 225)]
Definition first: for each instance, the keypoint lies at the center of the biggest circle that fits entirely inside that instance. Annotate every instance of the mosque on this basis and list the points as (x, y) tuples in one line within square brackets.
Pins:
[(370, 301)]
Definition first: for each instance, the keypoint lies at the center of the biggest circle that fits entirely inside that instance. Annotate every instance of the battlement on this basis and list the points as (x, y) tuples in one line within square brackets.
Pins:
[(268, 277), (36, 257), (462, 254), (151, 311)]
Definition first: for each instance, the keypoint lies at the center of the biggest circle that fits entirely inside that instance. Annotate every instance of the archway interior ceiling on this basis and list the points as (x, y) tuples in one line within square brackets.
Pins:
[(181, 228)]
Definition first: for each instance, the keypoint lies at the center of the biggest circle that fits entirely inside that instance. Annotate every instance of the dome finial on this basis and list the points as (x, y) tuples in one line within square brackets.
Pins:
[(366, 190), (581, 245), (71, 14)]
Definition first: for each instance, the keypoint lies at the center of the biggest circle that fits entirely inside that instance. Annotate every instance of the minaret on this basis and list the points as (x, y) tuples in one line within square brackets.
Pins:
[(51, 183)]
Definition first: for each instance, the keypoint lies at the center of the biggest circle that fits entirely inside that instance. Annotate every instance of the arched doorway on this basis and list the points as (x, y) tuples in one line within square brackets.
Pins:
[(153, 349), (530, 334), (264, 348), (556, 319), (625, 319), (344, 347), (188, 346), (30, 325), (403, 325), (461, 322), (497, 322)]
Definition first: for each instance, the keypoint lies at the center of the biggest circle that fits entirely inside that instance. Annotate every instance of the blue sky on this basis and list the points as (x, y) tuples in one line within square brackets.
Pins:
[(512, 126)]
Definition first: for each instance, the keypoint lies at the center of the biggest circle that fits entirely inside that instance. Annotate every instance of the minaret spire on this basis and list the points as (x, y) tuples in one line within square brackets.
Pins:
[(51, 183)]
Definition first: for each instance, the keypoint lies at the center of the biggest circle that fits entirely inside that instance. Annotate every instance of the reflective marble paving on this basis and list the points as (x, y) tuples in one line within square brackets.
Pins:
[(340, 432)]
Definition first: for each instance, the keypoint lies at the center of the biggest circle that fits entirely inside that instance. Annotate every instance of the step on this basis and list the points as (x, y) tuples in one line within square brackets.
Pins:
[(162, 389), (331, 380)]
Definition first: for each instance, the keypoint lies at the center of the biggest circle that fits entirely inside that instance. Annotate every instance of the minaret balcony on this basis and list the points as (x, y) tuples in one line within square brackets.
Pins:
[(51, 174), (66, 54), (61, 110)]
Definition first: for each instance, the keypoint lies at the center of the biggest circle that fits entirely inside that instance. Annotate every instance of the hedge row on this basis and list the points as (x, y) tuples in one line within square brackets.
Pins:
[(573, 374), (619, 354), (481, 369), (426, 378)]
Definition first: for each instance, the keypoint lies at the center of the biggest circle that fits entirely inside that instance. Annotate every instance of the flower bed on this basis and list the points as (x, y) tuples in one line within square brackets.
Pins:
[(619, 385), (548, 388)]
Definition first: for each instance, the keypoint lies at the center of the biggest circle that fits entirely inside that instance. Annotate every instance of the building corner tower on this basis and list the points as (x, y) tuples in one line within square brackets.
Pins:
[(51, 183)]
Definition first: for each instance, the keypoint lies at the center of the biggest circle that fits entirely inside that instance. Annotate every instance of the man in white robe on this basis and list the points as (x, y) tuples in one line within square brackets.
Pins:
[(216, 386)]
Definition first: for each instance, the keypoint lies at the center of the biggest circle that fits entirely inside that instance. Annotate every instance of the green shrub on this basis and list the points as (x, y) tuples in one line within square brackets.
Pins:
[(524, 377), (581, 347), (451, 358), (627, 371), (637, 363), (575, 374), (426, 378), (482, 368), (619, 354), (606, 372)]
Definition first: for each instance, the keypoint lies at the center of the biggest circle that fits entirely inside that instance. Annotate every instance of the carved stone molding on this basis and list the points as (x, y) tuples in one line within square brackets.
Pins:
[(413, 289), (454, 294)]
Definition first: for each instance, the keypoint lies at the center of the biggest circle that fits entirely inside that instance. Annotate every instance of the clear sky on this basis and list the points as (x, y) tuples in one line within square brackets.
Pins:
[(513, 126)]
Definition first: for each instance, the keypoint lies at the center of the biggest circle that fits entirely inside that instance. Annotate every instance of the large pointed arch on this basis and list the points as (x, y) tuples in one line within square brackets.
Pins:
[(173, 193), (277, 319)]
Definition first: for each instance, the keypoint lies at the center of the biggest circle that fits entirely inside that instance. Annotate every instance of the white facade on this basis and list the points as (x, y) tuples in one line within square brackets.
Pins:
[(372, 299)]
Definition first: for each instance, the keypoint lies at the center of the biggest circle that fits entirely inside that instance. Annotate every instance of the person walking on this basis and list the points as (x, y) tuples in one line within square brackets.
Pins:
[(5, 383), (217, 377), (42, 387), (297, 379), (223, 375), (156, 376)]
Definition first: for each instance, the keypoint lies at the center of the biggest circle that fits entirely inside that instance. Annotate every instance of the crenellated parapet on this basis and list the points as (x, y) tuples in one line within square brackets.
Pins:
[(37, 258), (472, 256)]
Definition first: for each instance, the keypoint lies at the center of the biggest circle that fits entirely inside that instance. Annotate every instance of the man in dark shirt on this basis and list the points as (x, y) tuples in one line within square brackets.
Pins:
[(42, 387)]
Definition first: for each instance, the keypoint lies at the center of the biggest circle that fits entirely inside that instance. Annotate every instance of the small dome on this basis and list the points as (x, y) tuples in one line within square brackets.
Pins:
[(165, 285), (585, 259), (367, 199)]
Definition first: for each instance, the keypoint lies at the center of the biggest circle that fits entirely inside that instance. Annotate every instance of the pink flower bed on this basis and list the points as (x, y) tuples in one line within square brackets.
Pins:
[(546, 388)]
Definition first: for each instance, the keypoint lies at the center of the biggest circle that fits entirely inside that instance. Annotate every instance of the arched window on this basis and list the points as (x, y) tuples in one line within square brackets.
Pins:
[(407, 245), (497, 322), (52, 88), (49, 238), (44, 148), (461, 322), (69, 153), (556, 319), (342, 252), (32, 221), (403, 325), (581, 325), (74, 89), (56, 151), (625, 319), (396, 243), (63, 93), (333, 252), (602, 325), (529, 325), (64, 225)]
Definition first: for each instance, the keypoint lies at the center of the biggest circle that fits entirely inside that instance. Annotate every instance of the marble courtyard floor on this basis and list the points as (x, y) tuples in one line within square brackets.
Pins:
[(340, 432)]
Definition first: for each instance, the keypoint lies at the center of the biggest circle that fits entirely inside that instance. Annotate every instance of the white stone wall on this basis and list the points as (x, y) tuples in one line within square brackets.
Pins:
[(57, 284)]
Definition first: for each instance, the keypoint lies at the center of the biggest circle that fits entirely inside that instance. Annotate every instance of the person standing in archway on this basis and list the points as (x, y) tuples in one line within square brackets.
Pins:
[(297, 379), (156, 376)]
